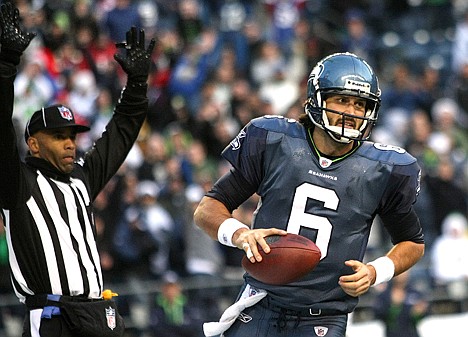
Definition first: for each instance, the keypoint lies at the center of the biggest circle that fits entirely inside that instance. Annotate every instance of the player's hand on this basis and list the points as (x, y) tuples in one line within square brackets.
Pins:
[(359, 282), (13, 40), (136, 60), (248, 240)]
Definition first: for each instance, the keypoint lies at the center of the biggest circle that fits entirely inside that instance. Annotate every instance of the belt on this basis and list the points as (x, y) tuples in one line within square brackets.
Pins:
[(306, 312), (44, 300)]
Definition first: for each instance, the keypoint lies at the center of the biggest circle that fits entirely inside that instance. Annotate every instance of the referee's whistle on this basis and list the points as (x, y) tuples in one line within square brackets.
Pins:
[(107, 294)]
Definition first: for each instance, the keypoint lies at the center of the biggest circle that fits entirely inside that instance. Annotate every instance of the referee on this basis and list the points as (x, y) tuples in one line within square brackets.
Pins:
[(46, 200)]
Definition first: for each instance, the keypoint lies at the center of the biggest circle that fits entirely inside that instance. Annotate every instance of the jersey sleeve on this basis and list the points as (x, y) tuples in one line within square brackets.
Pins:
[(111, 149), (402, 189), (246, 153), (396, 209)]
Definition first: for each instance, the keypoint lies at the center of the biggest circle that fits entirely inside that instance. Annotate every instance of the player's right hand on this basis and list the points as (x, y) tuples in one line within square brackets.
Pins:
[(248, 240)]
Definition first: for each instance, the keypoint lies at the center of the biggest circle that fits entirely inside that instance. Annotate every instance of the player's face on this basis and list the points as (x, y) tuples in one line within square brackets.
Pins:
[(57, 146), (350, 105)]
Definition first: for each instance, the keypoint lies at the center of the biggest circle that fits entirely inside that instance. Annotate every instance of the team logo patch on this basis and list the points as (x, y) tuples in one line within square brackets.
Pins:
[(320, 330), (65, 113), (110, 316)]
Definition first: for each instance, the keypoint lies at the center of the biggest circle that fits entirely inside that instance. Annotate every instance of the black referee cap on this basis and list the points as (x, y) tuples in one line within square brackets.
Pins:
[(53, 117)]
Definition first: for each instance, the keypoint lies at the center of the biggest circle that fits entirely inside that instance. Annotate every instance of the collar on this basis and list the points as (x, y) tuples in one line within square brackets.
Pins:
[(327, 160), (47, 169)]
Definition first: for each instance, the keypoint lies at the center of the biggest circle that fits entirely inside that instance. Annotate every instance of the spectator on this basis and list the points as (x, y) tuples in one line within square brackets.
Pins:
[(133, 244), (460, 92), (284, 16), (358, 38), (446, 195), (155, 156), (280, 91), (82, 16), (267, 64), (100, 52), (401, 90), (143, 236), (430, 88), (418, 141), (171, 313), (401, 307), (460, 44), (189, 22), (190, 72), (232, 16), (202, 164), (33, 87), (83, 95), (124, 14), (203, 258), (103, 106), (446, 117), (56, 31), (450, 251), (203, 255)]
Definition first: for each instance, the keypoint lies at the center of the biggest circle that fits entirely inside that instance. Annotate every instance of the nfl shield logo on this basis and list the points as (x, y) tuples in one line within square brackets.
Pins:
[(325, 162), (320, 330), (110, 316), (65, 113)]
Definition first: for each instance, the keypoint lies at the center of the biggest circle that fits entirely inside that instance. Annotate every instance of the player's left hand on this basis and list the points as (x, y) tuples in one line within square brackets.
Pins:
[(357, 283), (137, 60)]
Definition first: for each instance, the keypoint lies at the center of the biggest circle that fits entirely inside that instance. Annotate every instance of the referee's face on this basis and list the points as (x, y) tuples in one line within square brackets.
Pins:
[(57, 146)]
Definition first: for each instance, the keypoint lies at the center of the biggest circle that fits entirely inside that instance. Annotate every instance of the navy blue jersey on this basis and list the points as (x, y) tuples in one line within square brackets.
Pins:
[(332, 203)]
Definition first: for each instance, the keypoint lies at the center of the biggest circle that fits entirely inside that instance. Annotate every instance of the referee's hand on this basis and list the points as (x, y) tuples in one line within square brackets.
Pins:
[(13, 40), (136, 60)]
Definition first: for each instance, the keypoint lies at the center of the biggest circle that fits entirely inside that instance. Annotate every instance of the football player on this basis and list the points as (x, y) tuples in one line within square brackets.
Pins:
[(320, 178)]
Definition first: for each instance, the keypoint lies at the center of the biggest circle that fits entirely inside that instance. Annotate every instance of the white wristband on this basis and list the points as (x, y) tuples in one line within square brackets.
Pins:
[(227, 229), (384, 269)]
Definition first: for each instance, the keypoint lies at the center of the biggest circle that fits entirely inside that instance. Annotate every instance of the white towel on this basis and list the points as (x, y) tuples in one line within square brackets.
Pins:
[(249, 297)]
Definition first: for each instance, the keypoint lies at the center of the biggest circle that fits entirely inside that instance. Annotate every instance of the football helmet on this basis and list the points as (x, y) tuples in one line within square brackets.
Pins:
[(343, 74)]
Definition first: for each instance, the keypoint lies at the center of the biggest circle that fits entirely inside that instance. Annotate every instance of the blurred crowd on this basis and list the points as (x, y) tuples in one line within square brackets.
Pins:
[(219, 64)]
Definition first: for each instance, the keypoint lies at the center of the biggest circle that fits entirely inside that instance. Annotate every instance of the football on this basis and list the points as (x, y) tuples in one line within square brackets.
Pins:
[(291, 257)]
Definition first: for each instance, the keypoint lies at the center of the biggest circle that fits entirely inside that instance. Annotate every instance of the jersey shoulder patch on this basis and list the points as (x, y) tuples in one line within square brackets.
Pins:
[(279, 124), (386, 153)]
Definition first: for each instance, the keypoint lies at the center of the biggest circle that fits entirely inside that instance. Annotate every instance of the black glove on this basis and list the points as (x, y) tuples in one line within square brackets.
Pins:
[(13, 40), (136, 63)]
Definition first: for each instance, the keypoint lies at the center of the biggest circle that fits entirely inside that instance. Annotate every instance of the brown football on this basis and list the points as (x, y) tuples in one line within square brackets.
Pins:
[(291, 257)]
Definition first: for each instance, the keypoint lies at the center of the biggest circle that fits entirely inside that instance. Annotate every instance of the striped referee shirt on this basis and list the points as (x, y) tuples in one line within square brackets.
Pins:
[(47, 214)]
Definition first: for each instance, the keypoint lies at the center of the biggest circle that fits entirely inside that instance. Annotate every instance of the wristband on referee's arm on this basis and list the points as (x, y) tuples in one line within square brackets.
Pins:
[(227, 229), (384, 269)]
